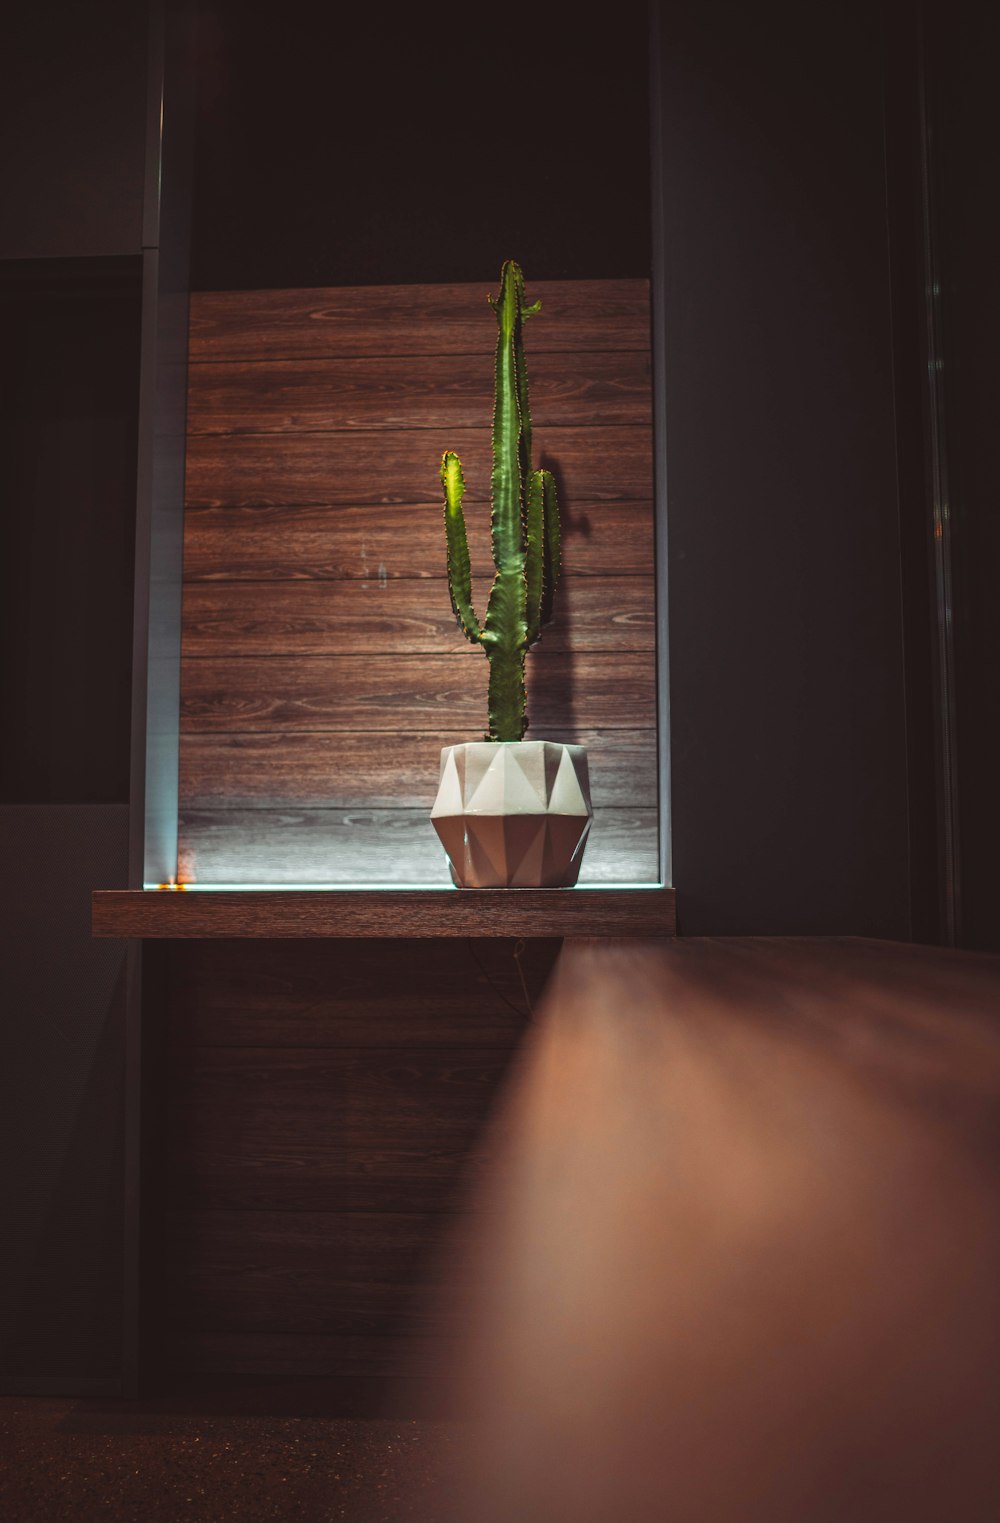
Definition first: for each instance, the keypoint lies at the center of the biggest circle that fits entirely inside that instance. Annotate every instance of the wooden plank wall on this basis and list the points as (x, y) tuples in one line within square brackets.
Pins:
[(324, 1106), (322, 667)]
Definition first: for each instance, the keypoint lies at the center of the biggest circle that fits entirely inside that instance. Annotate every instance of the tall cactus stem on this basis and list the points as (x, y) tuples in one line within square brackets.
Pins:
[(524, 527)]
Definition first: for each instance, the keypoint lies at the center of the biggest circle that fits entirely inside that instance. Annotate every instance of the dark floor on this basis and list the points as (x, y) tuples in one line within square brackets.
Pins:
[(165, 1463)]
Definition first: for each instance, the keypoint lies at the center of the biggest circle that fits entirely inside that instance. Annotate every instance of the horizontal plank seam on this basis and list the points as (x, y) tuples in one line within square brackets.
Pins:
[(636, 729), (394, 730), (175, 1047), (251, 658), (408, 1335), (419, 502), (379, 357), (397, 428), (361, 808), (408, 655), (412, 655), (351, 430), (399, 1331), (445, 1210), (432, 578), (280, 1211), (284, 735), (197, 504)]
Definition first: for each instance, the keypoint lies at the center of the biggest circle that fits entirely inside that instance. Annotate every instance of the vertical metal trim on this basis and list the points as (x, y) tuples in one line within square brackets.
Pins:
[(164, 424), (658, 340), (143, 568), (942, 516), (154, 127), (148, 382)]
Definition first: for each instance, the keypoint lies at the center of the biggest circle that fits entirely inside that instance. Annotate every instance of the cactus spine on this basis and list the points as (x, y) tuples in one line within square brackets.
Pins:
[(525, 526)]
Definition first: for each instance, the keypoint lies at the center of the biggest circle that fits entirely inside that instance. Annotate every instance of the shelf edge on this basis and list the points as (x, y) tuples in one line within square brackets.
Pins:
[(280, 913)]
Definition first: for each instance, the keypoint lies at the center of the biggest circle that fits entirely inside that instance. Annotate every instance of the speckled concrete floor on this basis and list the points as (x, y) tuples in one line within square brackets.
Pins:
[(79, 1460)]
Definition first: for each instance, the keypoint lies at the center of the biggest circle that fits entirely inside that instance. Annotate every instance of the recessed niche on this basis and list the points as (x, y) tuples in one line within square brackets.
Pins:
[(338, 340)]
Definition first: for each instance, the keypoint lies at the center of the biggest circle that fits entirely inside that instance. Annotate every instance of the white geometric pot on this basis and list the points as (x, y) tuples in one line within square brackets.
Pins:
[(513, 814)]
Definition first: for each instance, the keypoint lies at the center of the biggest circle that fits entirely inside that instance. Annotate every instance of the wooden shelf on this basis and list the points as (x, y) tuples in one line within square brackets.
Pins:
[(264, 913)]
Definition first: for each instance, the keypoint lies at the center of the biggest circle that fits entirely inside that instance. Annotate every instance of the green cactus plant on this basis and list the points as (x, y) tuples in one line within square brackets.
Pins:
[(525, 527)]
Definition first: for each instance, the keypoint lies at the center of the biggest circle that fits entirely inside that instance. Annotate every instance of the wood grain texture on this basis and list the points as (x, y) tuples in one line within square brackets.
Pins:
[(389, 913), (301, 1356), (776, 1165), (355, 617), (380, 1264), (315, 428), (592, 464), (375, 846), (381, 541), (415, 320), (325, 1109), (355, 994), (388, 392), (327, 1129), (399, 694), (332, 769)]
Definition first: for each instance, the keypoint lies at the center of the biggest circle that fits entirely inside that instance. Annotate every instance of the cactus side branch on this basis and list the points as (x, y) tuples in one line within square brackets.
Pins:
[(459, 568)]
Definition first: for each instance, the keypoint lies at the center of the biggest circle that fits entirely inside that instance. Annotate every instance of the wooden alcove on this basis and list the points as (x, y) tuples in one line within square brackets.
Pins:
[(322, 667)]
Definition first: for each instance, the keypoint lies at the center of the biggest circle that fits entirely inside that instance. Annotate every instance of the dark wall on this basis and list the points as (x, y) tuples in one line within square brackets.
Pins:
[(71, 186), (68, 420), (62, 1101), (787, 703), (424, 144), (72, 129), (962, 89)]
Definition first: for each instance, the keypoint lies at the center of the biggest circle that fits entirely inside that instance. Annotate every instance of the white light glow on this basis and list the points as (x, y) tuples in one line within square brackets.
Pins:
[(371, 888)]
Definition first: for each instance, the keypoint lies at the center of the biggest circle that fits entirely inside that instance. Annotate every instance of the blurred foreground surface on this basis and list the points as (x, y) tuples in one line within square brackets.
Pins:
[(739, 1258), (736, 1260)]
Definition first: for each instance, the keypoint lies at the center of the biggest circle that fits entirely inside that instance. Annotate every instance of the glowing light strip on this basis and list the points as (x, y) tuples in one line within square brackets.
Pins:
[(369, 888)]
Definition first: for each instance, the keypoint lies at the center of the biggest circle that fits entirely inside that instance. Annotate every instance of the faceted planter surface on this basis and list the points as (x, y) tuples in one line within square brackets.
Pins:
[(513, 814)]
